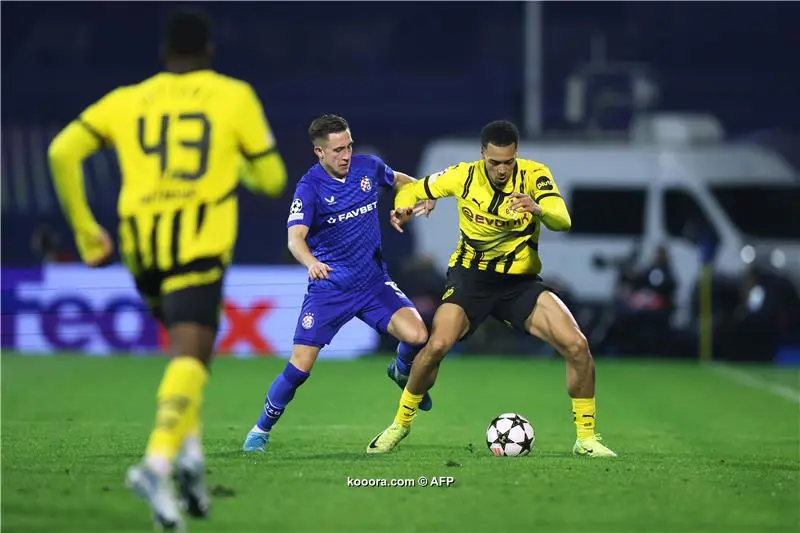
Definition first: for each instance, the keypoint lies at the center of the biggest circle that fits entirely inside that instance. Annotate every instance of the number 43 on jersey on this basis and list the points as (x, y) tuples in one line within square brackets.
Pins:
[(192, 148)]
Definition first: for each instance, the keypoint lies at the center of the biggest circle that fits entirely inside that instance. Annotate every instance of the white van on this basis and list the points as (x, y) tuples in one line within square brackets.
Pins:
[(622, 194)]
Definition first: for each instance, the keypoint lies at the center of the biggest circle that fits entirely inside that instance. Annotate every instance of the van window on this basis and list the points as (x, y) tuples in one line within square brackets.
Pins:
[(684, 218), (765, 211), (617, 211)]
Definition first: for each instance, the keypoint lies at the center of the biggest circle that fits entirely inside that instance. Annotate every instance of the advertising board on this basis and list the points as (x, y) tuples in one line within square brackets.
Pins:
[(98, 312)]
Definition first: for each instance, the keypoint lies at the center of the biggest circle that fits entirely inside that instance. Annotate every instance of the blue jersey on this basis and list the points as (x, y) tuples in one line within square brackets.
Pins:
[(342, 219)]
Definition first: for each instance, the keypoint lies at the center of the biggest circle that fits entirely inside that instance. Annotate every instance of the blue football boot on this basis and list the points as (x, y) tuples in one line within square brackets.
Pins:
[(401, 379), (256, 441)]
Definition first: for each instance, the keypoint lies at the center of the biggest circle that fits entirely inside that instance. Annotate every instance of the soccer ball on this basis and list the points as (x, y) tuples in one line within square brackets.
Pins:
[(510, 434)]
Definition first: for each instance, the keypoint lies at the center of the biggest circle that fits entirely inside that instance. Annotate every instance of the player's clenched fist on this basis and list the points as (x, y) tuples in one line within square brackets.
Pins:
[(95, 246), (398, 217), (318, 270), (523, 203)]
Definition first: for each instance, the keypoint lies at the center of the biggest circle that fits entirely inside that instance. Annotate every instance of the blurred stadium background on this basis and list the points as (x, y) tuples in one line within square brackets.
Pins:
[(672, 132)]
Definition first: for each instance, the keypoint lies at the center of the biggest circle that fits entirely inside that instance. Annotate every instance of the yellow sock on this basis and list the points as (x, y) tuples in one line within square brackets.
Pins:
[(583, 414), (192, 450), (407, 409), (179, 397)]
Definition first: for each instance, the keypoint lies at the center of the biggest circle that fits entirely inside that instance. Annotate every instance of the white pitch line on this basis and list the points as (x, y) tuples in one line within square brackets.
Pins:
[(745, 378)]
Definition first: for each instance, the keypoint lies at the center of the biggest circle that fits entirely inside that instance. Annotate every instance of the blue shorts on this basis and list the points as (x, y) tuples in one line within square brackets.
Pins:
[(325, 311)]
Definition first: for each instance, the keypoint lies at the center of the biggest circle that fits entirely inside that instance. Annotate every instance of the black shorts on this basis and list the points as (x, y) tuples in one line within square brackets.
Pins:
[(507, 297), (189, 293)]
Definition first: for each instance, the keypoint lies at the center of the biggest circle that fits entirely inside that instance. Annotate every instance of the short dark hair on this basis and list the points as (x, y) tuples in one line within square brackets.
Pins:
[(499, 133), (324, 125), (187, 32)]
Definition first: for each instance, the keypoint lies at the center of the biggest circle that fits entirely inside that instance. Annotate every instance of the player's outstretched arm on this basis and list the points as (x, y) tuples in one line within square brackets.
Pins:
[(265, 173), (66, 153), (265, 170), (439, 185), (302, 253), (422, 207)]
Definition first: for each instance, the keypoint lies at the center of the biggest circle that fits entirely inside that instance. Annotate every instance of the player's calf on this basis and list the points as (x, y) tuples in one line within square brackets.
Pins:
[(280, 393), (426, 364)]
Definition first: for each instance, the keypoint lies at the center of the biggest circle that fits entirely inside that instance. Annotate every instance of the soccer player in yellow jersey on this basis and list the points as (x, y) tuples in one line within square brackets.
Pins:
[(184, 138), (503, 202)]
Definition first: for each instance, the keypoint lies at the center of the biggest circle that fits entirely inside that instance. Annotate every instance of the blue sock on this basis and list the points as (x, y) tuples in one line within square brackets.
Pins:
[(405, 356), (280, 394)]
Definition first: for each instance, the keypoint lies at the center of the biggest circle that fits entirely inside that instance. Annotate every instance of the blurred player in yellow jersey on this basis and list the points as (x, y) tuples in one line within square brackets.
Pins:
[(503, 201), (184, 138)]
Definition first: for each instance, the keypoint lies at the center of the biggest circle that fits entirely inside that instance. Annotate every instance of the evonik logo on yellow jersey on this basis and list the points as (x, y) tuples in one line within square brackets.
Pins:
[(495, 222)]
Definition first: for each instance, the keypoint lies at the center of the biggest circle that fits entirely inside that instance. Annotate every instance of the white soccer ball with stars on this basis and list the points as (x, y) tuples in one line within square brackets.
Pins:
[(511, 435)]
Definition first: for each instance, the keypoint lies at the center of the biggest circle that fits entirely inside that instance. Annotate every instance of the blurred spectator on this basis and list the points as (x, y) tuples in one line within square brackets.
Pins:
[(767, 314), (422, 282), (639, 323), (46, 244)]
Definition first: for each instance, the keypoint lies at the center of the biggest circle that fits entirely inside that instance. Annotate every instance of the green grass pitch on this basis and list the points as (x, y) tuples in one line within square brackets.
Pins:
[(699, 451)]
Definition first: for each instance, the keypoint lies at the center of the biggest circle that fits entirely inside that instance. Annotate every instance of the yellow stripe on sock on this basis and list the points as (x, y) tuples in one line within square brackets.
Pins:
[(407, 409), (179, 398)]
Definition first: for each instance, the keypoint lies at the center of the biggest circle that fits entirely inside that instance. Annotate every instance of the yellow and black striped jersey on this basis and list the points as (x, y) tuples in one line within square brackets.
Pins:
[(493, 237), (180, 137), (181, 140)]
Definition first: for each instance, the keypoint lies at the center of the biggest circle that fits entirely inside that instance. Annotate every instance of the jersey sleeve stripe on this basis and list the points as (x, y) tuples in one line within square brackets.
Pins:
[(468, 181), (91, 129), (546, 195), (259, 155), (427, 188)]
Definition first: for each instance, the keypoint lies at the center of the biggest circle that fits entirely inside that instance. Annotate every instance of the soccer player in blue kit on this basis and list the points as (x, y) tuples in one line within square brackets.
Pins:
[(334, 231)]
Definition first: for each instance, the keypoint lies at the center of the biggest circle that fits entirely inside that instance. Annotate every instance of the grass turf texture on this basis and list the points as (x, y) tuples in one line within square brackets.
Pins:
[(698, 451)]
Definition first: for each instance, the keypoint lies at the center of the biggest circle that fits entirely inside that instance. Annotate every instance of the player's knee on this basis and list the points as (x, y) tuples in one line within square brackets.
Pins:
[(576, 348), (439, 346), (418, 336), (303, 357)]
